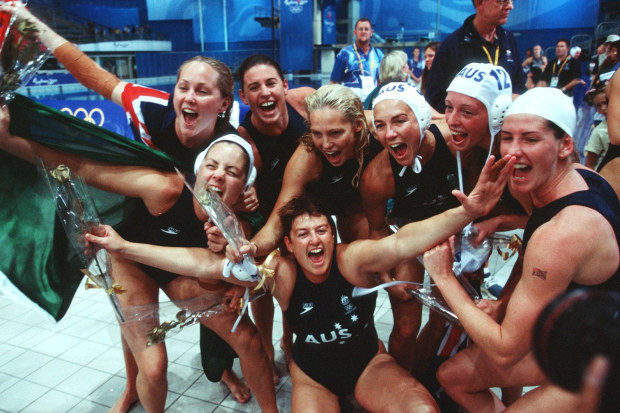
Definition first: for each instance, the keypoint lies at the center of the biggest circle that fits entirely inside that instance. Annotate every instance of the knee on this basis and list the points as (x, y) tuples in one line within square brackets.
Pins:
[(154, 370), (247, 340), (448, 375)]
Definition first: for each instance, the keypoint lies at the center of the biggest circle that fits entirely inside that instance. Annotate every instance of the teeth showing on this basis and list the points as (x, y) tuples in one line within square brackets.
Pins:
[(216, 189), (190, 112), (268, 105), (316, 251), (520, 166)]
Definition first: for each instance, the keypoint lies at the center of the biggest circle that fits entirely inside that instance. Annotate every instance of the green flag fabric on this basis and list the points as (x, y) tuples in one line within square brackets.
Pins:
[(36, 257)]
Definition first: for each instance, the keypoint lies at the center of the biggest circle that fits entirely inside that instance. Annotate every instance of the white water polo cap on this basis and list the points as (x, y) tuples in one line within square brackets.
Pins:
[(549, 103), (247, 148), (413, 98), (489, 84)]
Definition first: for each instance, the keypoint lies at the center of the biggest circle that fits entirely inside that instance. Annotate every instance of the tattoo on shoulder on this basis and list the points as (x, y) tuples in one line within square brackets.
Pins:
[(537, 272)]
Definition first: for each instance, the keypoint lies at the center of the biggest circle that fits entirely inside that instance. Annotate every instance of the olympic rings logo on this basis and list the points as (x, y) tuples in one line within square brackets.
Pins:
[(87, 116)]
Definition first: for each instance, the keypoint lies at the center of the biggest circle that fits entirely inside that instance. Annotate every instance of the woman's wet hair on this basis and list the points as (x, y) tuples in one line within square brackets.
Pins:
[(301, 205), (343, 100), (255, 60), (225, 84)]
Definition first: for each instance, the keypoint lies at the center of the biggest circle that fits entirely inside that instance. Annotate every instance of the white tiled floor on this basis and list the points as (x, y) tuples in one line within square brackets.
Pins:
[(77, 365)]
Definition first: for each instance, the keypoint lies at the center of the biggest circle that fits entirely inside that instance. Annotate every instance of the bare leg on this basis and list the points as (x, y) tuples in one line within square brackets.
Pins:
[(286, 342), (384, 386), (246, 341), (130, 394), (547, 398), (262, 313), (428, 342), (407, 318), (309, 396), (468, 376), (146, 367)]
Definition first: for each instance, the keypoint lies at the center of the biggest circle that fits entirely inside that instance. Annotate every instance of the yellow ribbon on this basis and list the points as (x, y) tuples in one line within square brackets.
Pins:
[(61, 173), (514, 245), (90, 283), (266, 272)]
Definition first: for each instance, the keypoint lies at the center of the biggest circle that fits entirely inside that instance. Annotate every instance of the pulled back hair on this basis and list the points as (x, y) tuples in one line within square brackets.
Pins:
[(343, 100), (301, 205), (255, 60), (391, 68), (225, 84)]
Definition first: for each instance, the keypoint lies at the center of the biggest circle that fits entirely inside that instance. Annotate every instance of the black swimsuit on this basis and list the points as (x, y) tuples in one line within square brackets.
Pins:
[(275, 152), (336, 336), (600, 197)]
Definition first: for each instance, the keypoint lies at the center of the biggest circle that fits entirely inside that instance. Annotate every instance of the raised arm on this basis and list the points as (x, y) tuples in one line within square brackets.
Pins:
[(303, 167), (195, 262), (158, 189), (365, 257), (82, 67)]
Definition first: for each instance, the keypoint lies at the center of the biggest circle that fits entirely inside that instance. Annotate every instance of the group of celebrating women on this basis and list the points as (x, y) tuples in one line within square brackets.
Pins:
[(303, 156)]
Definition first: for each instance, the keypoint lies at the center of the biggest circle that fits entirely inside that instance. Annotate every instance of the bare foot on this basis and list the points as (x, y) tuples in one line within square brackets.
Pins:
[(238, 388), (287, 348), (125, 402)]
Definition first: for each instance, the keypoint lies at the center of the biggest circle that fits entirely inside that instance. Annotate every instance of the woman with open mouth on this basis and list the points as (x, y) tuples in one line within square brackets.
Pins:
[(570, 242), (275, 122), (422, 162), (182, 124), (337, 354), (169, 215), (327, 163)]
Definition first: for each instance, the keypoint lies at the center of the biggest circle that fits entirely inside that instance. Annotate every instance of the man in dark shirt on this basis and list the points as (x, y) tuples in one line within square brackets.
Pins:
[(563, 72), (481, 39)]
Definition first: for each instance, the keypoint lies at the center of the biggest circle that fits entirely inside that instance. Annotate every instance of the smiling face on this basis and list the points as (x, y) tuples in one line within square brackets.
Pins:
[(265, 92), (397, 130), (333, 135), (538, 152), (311, 240), (197, 102), (224, 171), (468, 122)]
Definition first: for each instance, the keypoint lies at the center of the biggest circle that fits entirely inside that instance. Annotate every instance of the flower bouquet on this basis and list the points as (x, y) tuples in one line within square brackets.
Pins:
[(22, 54), (78, 215)]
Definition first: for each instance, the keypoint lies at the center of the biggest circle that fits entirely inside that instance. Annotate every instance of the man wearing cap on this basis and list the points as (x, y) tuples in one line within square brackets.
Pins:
[(564, 72), (480, 39), (357, 66), (570, 241)]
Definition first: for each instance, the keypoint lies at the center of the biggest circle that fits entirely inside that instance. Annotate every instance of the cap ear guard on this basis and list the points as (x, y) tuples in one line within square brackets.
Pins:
[(250, 179), (498, 112)]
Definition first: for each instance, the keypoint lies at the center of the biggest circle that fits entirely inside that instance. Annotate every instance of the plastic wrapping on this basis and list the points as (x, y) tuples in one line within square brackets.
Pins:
[(22, 55), (78, 215)]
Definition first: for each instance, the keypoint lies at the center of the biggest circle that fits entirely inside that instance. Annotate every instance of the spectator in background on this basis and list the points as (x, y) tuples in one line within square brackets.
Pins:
[(393, 68), (416, 66), (481, 39), (429, 56), (596, 148), (565, 72), (534, 66), (357, 66)]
